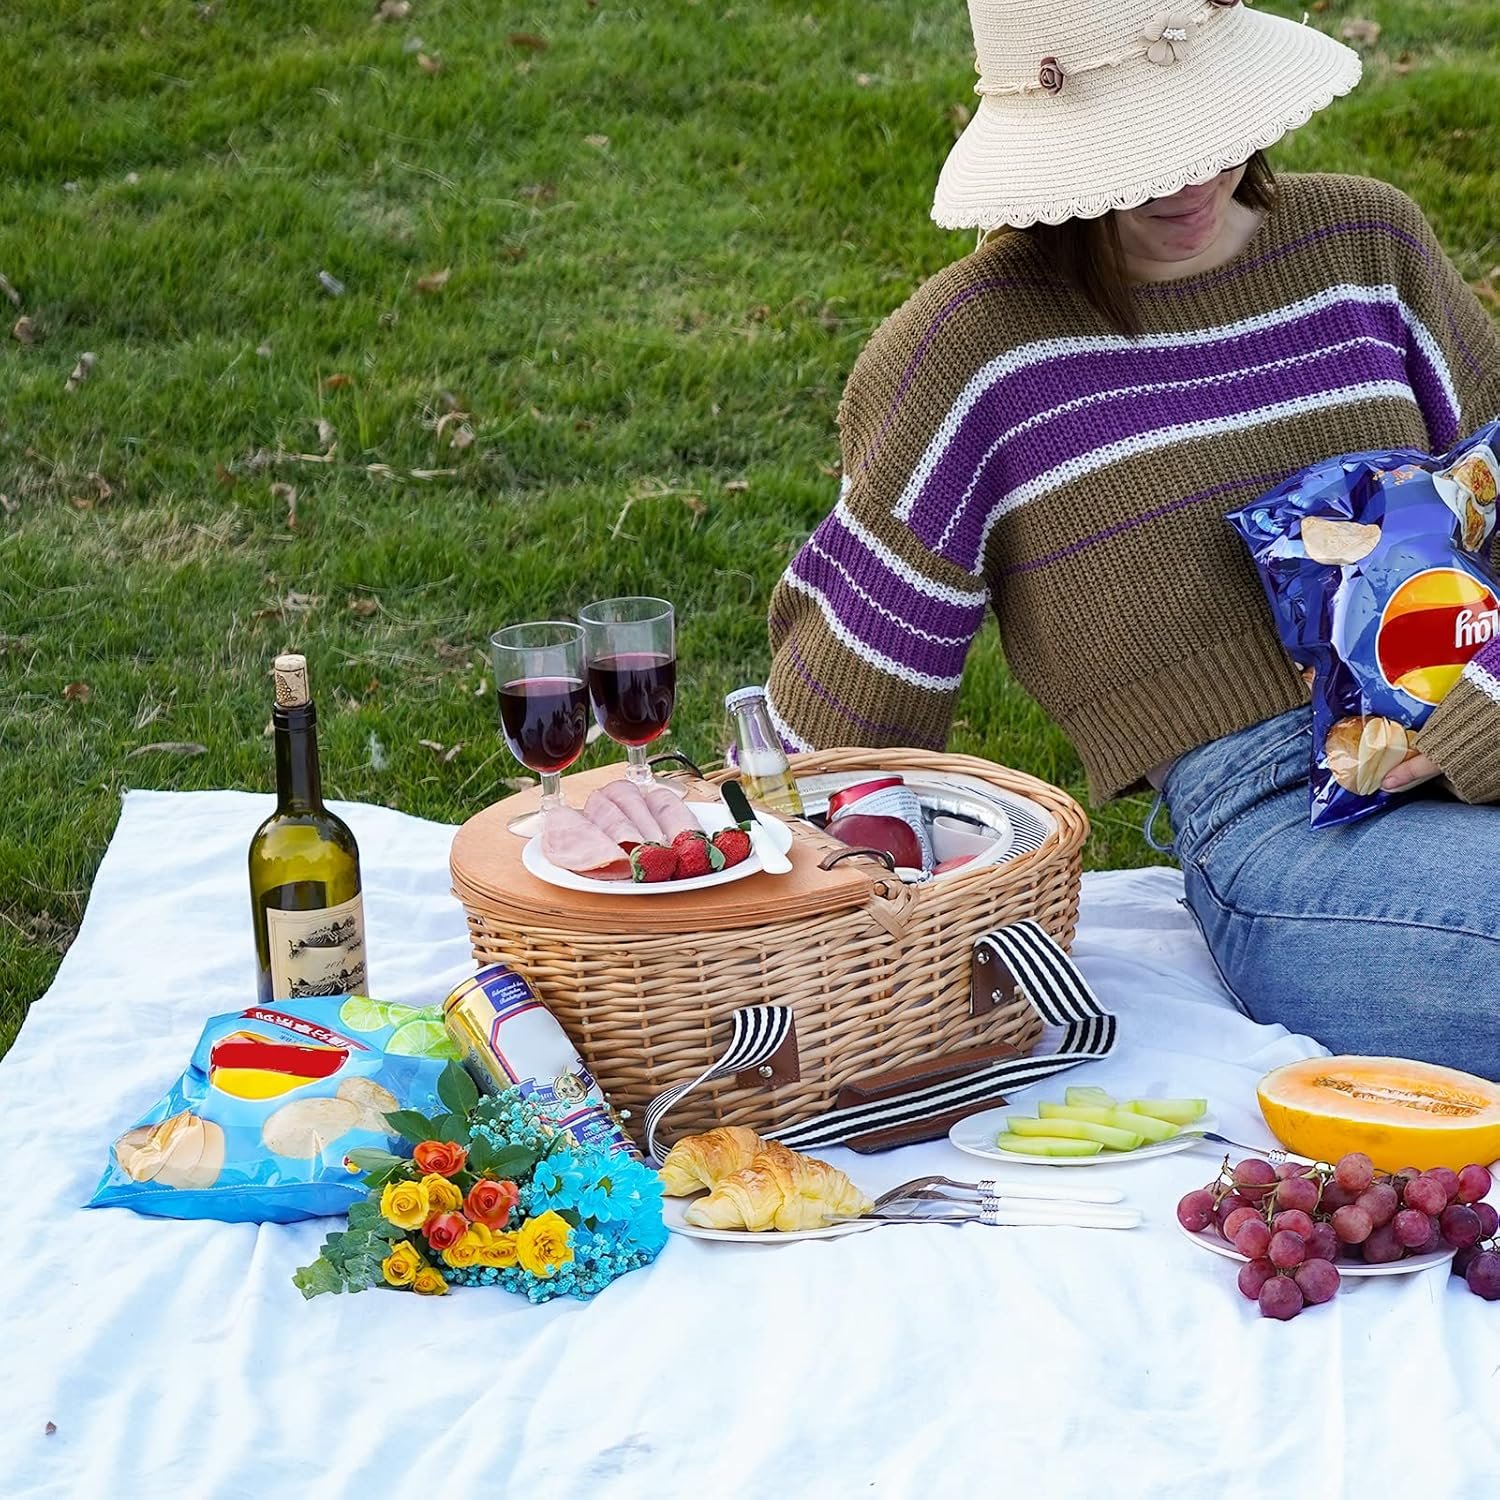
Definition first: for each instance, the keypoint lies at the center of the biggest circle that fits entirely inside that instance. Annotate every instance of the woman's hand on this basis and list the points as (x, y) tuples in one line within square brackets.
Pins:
[(1411, 773)]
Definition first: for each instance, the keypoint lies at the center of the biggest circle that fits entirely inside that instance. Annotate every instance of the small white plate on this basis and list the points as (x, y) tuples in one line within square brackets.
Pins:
[(713, 817), (674, 1216), (976, 1135), (1218, 1246)]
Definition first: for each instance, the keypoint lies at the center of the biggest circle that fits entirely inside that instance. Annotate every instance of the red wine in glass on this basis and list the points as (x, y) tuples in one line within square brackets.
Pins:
[(632, 695), (545, 721)]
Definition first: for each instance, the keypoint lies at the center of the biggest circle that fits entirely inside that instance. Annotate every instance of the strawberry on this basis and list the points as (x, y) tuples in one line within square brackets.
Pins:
[(733, 844), (652, 862), (695, 855)]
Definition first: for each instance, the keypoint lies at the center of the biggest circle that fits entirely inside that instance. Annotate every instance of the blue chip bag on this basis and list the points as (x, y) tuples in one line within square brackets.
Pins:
[(259, 1127), (1375, 566)]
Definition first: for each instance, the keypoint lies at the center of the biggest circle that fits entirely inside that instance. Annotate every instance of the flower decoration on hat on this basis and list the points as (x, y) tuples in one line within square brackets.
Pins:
[(1050, 75), (1166, 37)]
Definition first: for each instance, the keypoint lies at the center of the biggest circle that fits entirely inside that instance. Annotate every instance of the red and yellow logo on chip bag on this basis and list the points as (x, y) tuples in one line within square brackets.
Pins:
[(1436, 621), (252, 1065)]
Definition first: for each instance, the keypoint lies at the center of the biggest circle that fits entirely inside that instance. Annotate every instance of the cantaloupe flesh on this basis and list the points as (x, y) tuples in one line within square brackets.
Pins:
[(1399, 1113)]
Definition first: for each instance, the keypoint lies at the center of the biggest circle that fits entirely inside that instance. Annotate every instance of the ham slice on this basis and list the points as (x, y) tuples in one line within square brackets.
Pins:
[(604, 815), (573, 843), (670, 811), (627, 797)]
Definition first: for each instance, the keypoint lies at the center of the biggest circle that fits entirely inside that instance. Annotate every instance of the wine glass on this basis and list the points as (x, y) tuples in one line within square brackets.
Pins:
[(631, 650), (544, 709)]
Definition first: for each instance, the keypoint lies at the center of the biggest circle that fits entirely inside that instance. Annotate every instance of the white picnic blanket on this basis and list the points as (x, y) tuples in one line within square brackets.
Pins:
[(177, 1358)]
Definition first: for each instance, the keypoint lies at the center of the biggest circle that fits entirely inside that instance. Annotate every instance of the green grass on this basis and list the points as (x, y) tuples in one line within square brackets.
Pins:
[(665, 319)]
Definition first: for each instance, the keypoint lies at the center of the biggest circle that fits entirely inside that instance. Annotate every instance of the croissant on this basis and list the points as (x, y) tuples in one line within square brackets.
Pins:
[(780, 1189), (702, 1161)]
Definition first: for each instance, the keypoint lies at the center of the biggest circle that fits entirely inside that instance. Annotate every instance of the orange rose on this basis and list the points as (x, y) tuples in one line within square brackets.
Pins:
[(445, 1230), (442, 1157), (491, 1202)]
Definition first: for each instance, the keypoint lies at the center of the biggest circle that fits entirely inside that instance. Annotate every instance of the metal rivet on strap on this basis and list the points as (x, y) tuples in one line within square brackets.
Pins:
[(765, 1070)]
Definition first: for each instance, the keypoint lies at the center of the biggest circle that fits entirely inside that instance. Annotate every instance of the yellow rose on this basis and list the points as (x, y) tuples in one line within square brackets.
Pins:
[(464, 1253), (501, 1252), (430, 1283), (542, 1245), (402, 1265), (405, 1204), (442, 1196)]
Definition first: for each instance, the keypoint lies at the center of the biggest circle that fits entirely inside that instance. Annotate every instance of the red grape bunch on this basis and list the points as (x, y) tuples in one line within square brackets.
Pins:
[(1296, 1223)]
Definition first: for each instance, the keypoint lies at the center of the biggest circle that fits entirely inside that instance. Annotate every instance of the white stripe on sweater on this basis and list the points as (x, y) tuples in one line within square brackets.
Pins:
[(866, 652), (1093, 398), (1042, 350), (1163, 437), (967, 598), (1484, 680), (789, 736)]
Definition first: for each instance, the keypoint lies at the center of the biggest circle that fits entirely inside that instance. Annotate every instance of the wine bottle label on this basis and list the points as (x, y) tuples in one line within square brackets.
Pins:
[(318, 952)]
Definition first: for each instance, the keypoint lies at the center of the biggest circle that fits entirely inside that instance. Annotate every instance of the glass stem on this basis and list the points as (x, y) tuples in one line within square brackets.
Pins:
[(637, 769), (551, 790)]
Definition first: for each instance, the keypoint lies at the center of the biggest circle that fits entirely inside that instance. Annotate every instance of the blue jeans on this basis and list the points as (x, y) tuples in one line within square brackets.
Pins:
[(1378, 937)]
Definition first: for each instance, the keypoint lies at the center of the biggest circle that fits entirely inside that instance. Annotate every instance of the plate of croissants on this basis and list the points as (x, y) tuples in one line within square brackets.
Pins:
[(730, 1184)]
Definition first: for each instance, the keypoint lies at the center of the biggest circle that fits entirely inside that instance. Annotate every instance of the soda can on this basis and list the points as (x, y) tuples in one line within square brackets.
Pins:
[(509, 1039), (885, 797)]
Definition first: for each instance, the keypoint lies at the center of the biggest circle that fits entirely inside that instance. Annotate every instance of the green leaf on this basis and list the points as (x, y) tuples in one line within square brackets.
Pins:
[(318, 1277), (411, 1125), (371, 1159), (456, 1089), (453, 1128), (481, 1155), (513, 1162)]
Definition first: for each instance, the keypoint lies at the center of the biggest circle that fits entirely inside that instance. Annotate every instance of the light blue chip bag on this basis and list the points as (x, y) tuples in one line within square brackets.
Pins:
[(259, 1127)]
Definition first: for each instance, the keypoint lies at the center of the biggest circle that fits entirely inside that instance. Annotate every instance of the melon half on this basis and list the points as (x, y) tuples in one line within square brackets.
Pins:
[(1399, 1113)]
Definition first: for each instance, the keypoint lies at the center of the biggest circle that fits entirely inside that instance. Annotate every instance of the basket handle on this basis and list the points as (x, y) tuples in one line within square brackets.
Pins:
[(1043, 975)]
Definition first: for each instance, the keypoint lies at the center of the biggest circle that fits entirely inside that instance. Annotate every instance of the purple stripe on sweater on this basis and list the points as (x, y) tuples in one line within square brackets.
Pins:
[(1487, 658), (834, 543), (900, 732), (954, 528), (1161, 289), (1262, 482), (1351, 226)]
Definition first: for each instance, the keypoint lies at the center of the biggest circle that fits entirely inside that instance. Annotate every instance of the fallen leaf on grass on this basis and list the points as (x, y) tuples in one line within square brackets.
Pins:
[(9, 506), (413, 44), (431, 473), (24, 331), (82, 370), (429, 64), (168, 747), (599, 142), (391, 10), (518, 783), (538, 192), (528, 41), (133, 178), (338, 382), (865, 80), (287, 492), (736, 486), (462, 438), (78, 692), (1402, 65), (8, 290), (1361, 32), (264, 349), (695, 505), (327, 437), (330, 284), (434, 281), (364, 606), (293, 604)]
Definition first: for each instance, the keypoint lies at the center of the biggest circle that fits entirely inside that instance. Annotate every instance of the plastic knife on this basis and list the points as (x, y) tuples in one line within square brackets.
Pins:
[(772, 860)]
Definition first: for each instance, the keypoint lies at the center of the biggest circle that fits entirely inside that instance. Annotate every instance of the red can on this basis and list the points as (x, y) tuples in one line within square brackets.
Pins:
[(882, 797)]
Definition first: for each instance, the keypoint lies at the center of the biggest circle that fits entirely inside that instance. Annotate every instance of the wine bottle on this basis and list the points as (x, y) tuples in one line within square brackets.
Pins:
[(304, 865)]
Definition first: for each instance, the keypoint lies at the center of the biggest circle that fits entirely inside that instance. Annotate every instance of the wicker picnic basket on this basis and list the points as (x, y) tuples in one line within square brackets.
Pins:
[(877, 972)]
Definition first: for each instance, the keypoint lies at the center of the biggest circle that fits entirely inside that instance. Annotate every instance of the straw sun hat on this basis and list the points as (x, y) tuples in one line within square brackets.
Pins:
[(1091, 105)]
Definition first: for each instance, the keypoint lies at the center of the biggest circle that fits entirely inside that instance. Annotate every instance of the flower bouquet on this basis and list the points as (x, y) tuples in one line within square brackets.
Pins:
[(492, 1194)]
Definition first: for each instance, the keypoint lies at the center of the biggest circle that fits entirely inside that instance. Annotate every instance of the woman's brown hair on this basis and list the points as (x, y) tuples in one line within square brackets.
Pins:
[(1087, 252)]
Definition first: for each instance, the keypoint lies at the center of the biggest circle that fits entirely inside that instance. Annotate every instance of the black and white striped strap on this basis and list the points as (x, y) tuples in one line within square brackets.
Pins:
[(1050, 980)]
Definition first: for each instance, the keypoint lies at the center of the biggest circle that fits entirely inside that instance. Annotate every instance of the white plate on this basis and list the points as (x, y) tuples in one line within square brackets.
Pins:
[(1217, 1246), (977, 1133), (674, 1216), (713, 817)]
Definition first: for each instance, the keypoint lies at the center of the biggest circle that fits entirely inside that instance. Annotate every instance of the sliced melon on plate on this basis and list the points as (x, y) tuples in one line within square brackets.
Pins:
[(1173, 1111), (1041, 1145), (1076, 1130), (1090, 1098)]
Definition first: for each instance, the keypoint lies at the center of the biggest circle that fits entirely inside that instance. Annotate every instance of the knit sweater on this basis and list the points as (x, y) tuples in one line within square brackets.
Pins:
[(1003, 448)]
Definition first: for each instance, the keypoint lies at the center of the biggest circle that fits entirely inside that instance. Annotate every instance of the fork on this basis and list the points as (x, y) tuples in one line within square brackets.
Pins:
[(1276, 1156), (931, 1188), (996, 1212)]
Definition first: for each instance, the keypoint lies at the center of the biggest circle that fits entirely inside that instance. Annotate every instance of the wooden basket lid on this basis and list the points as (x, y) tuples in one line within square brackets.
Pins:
[(488, 876)]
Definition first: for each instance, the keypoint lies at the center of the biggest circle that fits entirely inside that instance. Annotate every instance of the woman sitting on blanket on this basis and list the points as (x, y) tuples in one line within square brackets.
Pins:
[(1055, 427)]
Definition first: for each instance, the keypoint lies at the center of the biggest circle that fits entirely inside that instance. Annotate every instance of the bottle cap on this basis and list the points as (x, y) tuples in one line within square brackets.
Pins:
[(290, 673), (740, 697)]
